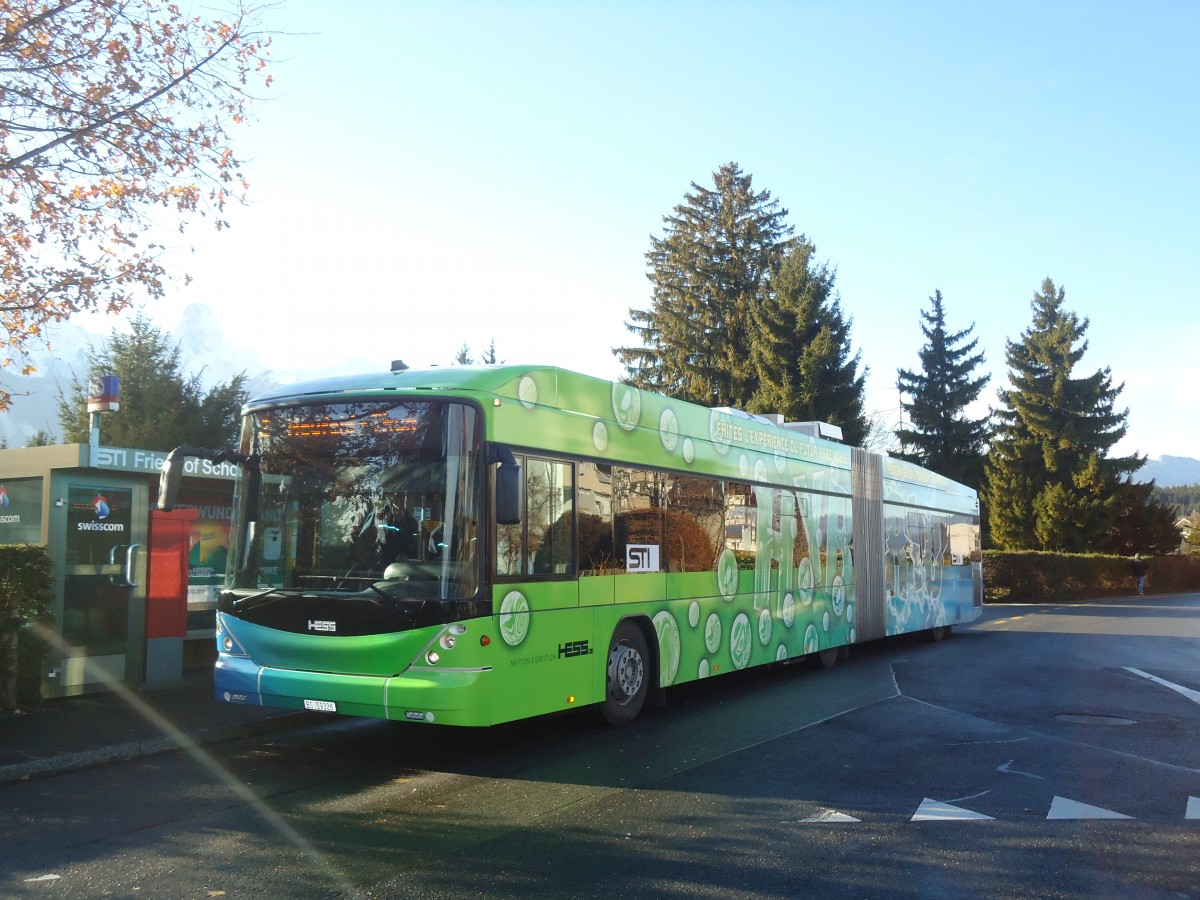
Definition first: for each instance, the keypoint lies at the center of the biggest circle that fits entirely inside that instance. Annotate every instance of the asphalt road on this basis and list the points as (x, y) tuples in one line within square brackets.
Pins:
[(1049, 751)]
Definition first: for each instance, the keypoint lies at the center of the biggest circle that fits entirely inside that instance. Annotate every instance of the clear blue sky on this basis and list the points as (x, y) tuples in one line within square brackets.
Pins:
[(429, 174)]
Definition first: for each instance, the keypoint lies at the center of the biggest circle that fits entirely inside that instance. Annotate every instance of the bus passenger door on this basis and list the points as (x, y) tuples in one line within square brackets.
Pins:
[(546, 639)]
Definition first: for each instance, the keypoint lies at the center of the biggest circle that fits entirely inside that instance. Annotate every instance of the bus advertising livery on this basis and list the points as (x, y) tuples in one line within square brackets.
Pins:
[(475, 545)]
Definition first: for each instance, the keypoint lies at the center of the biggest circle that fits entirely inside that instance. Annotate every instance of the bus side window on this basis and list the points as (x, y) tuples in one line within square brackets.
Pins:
[(551, 514), (544, 541), (693, 523), (595, 519), (510, 540)]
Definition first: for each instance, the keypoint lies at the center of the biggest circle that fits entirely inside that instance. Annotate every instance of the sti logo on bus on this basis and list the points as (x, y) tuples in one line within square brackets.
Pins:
[(641, 557), (322, 625)]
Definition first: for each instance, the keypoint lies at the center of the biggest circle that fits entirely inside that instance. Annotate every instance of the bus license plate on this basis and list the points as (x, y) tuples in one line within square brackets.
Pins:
[(321, 705)]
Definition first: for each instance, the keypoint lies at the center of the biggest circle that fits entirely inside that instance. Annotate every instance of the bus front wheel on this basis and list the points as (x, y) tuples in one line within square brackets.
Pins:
[(627, 680)]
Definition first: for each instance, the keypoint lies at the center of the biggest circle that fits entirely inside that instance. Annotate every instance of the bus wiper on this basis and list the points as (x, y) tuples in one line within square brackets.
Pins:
[(393, 603), (270, 595)]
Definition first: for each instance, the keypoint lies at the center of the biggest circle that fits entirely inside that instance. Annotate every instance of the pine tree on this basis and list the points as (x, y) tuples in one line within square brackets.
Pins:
[(161, 408), (1146, 525), (800, 349), (714, 262), (1051, 484), (940, 435)]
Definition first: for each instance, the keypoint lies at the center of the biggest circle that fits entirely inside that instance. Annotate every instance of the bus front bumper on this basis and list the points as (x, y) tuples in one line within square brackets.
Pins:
[(419, 694)]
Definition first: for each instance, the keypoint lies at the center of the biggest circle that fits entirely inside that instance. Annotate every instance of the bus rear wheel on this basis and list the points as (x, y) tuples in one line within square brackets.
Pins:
[(627, 679), (939, 634), (827, 658)]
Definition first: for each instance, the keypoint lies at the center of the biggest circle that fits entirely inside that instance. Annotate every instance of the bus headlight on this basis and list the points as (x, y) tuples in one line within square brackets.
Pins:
[(226, 642)]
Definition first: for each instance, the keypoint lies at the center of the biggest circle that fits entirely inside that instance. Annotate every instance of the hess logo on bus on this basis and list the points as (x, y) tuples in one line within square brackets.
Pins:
[(574, 648)]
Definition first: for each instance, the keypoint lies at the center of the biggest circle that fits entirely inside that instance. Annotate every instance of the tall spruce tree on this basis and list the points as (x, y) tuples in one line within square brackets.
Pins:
[(940, 435), (1051, 484), (1146, 525), (800, 349), (714, 262), (161, 408)]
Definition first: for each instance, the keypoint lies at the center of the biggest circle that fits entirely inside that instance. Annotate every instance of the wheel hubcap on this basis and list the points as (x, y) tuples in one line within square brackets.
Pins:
[(624, 673)]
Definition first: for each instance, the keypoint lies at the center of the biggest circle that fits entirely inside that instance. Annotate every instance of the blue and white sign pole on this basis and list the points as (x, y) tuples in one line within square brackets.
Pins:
[(104, 395)]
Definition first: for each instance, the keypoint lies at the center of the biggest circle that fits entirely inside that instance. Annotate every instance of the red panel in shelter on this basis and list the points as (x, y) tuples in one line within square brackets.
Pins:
[(166, 599)]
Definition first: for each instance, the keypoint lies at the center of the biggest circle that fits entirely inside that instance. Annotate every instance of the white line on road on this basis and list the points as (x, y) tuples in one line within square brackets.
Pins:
[(827, 816), (940, 811), (1064, 808), (1007, 770), (1178, 688)]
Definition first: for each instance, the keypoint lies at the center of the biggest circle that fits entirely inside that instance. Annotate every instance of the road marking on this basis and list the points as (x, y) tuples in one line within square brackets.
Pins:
[(998, 741), (1005, 768), (1178, 688), (937, 811), (1062, 808), (1158, 763), (971, 797), (829, 815)]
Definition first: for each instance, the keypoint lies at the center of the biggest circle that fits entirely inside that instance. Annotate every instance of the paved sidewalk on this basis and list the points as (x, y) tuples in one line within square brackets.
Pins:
[(75, 732)]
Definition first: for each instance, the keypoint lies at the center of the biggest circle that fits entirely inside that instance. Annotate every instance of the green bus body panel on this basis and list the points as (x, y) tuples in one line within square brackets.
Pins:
[(545, 646), (373, 655), (596, 590), (446, 698)]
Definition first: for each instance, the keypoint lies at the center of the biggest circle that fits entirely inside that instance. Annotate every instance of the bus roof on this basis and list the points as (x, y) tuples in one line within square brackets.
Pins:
[(543, 407)]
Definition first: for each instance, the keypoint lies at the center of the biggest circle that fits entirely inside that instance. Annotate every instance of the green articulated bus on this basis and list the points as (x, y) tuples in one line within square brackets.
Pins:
[(475, 545)]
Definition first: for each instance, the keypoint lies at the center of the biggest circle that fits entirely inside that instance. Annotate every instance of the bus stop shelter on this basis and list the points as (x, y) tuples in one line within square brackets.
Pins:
[(134, 588)]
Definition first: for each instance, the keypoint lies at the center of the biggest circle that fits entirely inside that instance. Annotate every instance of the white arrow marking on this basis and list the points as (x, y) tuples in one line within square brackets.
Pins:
[(1193, 808), (1178, 688), (1062, 808), (43, 878), (937, 811), (829, 815), (1010, 771)]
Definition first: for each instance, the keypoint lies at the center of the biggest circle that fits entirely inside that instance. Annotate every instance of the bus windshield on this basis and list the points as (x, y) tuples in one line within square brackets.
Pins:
[(372, 496)]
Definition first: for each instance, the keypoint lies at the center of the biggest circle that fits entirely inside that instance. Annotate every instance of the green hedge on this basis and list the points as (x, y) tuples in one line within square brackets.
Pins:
[(25, 598), (1033, 577)]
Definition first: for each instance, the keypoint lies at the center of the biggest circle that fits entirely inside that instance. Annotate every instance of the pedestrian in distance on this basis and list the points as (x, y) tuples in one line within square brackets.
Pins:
[(1139, 567)]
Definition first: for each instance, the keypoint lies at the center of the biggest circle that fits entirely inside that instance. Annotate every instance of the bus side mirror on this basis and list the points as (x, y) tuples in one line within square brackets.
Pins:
[(509, 499), (169, 479), (172, 471)]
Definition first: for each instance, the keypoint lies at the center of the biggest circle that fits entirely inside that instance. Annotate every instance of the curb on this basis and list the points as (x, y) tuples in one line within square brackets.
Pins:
[(71, 762)]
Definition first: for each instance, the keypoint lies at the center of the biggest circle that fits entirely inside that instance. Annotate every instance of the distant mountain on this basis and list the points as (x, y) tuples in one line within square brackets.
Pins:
[(205, 350), (202, 348), (35, 397), (1170, 471)]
